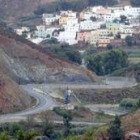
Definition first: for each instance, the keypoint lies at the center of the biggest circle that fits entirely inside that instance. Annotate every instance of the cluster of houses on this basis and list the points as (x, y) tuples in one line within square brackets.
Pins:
[(98, 26)]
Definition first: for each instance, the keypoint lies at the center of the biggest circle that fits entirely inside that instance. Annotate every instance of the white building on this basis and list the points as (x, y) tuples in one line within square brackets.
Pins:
[(36, 40), (67, 37), (68, 13), (73, 28), (134, 11), (72, 21), (88, 15), (111, 17), (48, 19), (72, 25), (44, 32), (20, 31), (126, 29), (89, 25)]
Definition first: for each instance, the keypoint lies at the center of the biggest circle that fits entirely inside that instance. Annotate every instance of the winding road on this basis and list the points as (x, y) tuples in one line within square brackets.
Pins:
[(46, 102)]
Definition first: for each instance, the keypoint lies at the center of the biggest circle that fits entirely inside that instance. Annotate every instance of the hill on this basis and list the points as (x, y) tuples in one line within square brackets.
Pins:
[(22, 62), (12, 98), (9, 8), (26, 63)]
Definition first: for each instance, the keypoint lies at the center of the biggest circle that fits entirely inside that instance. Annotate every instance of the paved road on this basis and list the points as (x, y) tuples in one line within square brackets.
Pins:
[(45, 102), (106, 83)]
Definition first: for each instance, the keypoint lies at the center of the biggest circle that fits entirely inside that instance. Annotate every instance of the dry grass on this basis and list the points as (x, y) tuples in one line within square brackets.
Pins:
[(131, 122)]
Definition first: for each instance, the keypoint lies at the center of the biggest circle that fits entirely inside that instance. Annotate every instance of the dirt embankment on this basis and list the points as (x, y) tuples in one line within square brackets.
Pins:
[(12, 98), (101, 96)]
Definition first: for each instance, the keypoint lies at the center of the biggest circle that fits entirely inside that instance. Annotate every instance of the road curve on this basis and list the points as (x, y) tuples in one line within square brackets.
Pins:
[(45, 102)]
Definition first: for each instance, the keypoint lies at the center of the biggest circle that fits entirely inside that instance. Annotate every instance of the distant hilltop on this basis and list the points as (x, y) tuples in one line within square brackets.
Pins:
[(8, 9)]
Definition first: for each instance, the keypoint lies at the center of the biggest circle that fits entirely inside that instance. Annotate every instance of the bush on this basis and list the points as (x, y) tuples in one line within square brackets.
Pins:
[(4, 136), (67, 52), (107, 62), (14, 128), (129, 103), (130, 41), (31, 134), (115, 131)]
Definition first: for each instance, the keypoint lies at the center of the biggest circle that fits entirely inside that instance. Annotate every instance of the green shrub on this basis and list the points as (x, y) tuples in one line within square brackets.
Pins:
[(129, 103)]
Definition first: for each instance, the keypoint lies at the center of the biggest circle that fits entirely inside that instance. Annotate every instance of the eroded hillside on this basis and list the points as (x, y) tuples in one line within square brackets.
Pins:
[(27, 65), (12, 98)]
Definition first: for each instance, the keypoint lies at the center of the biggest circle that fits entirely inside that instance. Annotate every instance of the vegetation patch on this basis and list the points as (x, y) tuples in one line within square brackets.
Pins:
[(107, 62)]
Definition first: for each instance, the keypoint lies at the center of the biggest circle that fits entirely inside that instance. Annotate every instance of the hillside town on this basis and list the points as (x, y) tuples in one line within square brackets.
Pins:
[(98, 26)]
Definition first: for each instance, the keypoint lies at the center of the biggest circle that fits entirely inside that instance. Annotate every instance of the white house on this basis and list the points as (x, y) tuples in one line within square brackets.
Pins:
[(19, 31), (48, 19), (44, 32), (72, 28), (68, 13), (67, 37), (89, 25), (72, 25), (111, 17), (126, 29), (134, 22), (134, 11), (88, 15)]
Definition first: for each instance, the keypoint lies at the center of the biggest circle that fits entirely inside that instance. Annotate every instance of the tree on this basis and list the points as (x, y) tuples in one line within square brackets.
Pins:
[(129, 103), (123, 18), (67, 117), (110, 47), (93, 19), (129, 40), (67, 52), (52, 40), (20, 135), (4, 136), (118, 36), (107, 62), (95, 63), (14, 128), (48, 129), (115, 132), (31, 134)]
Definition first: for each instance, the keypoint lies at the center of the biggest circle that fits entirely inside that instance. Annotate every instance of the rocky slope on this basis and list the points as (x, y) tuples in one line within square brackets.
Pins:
[(12, 98), (28, 65)]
